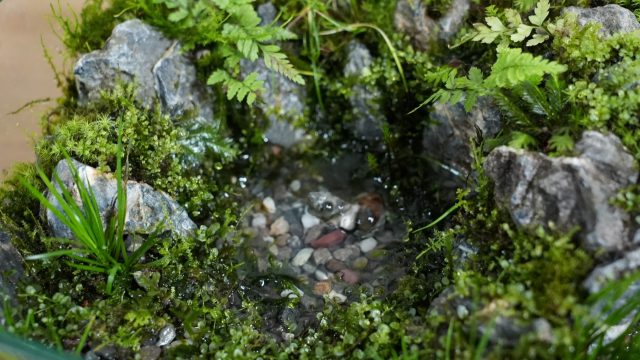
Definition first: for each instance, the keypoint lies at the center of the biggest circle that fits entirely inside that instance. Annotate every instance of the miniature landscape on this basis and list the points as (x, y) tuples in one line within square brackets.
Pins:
[(389, 179)]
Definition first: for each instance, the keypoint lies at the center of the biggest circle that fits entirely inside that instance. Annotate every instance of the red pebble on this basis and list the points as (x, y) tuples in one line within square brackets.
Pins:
[(349, 276), (330, 239)]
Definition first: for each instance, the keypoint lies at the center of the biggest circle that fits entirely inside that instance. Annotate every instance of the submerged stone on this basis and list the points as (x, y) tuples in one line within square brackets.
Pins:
[(148, 210), (568, 191), (613, 18)]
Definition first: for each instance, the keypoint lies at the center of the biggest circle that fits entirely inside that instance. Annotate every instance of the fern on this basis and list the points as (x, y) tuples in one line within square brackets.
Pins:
[(513, 67), (235, 35), (240, 90)]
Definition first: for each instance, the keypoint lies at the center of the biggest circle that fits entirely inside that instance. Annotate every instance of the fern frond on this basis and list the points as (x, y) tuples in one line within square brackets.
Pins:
[(240, 90), (513, 67), (274, 59)]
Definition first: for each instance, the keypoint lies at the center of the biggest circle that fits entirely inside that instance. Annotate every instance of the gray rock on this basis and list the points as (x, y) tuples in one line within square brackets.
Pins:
[(11, 270), (166, 336), (302, 257), (129, 55), (136, 52), (321, 256), (147, 209), (451, 22), (282, 101), (613, 18), (606, 273), (365, 98), (150, 352), (447, 139), (411, 18), (568, 191)]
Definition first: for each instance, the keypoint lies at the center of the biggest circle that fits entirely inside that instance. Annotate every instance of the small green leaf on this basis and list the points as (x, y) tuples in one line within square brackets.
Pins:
[(495, 24), (522, 33), (540, 12), (537, 39), (178, 15)]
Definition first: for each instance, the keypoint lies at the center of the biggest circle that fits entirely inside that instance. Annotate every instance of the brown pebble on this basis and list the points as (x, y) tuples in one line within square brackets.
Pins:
[(349, 276), (282, 240), (333, 238), (322, 287), (334, 265)]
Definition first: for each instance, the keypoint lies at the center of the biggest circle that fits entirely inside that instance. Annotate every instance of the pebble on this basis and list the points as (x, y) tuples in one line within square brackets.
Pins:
[(368, 244), (349, 276), (279, 227), (309, 221), (269, 205), (321, 275), (343, 254), (333, 238), (268, 239), (308, 268), (166, 336), (360, 263), (313, 233), (294, 241), (322, 287), (282, 240), (295, 185), (291, 293), (273, 249), (337, 297), (302, 257), (150, 352), (321, 256), (259, 221), (348, 218), (284, 253), (334, 265)]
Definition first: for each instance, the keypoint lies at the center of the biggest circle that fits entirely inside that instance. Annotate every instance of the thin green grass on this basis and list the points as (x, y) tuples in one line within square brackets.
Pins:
[(95, 247)]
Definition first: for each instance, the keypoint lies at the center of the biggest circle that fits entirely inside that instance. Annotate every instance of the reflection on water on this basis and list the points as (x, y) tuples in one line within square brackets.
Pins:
[(24, 73)]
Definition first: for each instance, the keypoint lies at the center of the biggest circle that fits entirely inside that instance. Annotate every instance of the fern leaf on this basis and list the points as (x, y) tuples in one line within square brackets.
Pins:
[(540, 13), (274, 59), (522, 32), (537, 39), (512, 67), (520, 140)]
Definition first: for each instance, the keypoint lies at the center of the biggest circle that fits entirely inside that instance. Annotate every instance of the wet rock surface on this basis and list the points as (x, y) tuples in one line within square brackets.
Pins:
[(613, 18), (148, 210), (448, 137), (568, 191)]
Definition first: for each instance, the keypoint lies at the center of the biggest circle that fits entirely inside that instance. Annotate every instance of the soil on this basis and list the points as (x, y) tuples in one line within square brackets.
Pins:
[(25, 74)]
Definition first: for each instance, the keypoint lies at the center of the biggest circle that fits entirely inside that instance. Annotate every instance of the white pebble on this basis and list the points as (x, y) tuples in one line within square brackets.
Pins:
[(302, 257), (337, 297), (273, 249), (321, 275), (279, 227), (166, 336), (292, 293), (348, 218), (259, 221), (368, 244), (295, 185), (269, 205), (309, 221)]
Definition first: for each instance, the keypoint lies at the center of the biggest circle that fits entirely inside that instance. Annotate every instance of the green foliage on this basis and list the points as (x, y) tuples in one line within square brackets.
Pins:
[(516, 30), (95, 247), (231, 28)]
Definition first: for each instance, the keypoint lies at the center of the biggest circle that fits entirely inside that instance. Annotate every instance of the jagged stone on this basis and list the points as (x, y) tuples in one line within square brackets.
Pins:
[(148, 210), (613, 18), (447, 138), (568, 191), (365, 99)]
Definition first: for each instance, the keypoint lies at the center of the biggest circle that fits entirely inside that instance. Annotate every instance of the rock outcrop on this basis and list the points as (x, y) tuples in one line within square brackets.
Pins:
[(11, 270), (569, 192), (613, 18)]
